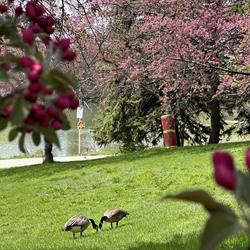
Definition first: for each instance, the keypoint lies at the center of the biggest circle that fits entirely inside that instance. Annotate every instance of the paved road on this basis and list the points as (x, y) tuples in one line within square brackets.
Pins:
[(10, 163)]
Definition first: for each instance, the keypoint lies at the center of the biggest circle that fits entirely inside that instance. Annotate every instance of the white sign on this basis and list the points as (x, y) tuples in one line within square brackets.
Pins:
[(79, 112)]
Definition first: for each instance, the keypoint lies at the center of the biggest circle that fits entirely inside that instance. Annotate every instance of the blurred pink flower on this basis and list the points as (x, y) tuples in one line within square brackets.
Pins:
[(224, 170)]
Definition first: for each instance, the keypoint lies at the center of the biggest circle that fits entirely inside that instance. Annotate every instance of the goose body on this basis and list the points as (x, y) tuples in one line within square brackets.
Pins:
[(113, 215), (78, 224)]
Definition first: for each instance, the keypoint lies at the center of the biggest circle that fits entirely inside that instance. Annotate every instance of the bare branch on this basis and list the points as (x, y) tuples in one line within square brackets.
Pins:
[(229, 71)]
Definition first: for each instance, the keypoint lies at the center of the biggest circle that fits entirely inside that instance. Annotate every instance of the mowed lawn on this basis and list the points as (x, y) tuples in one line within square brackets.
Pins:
[(36, 201)]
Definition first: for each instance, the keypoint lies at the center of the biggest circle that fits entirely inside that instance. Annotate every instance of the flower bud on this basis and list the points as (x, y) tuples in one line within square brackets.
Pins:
[(47, 91), (74, 103), (30, 96), (18, 10), (69, 94), (29, 120), (62, 102), (40, 10), (52, 112), (224, 170), (69, 55), (35, 71), (3, 8), (28, 36), (38, 111), (46, 21), (37, 66), (31, 10), (33, 75), (63, 44), (35, 28), (5, 66), (26, 61), (7, 111), (49, 30), (35, 87), (44, 121), (56, 124), (46, 40)]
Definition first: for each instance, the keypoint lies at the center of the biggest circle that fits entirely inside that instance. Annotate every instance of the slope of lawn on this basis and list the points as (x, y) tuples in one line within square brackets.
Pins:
[(36, 201)]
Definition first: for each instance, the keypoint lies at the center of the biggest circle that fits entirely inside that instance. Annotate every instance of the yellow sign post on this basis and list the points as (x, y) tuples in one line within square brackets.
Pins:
[(80, 126)]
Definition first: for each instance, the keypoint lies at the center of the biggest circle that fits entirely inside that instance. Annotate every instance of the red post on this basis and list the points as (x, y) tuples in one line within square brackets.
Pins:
[(169, 131)]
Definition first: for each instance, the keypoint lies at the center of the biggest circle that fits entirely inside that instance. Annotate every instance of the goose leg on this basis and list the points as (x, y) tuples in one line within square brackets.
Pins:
[(74, 236), (117, 223), (111, 225), (81, 234)]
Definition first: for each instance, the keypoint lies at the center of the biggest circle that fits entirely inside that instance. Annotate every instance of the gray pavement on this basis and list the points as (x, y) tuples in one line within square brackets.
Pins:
[(10, 163)]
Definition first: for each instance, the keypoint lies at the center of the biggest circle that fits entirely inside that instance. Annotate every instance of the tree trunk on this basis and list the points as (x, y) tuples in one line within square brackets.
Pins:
[(214, 106), (178, 136), (215, 122), (48, 152)]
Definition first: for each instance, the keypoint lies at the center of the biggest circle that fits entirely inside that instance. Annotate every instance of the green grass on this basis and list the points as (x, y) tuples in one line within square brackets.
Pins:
[(110, 151), (36, 201)]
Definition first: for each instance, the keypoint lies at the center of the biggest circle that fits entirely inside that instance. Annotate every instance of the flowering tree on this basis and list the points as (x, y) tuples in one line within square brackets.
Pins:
[(87, 29), (181, 48), (130, 112), (181, 38), (185, 49), (223, 221), (30, 55)]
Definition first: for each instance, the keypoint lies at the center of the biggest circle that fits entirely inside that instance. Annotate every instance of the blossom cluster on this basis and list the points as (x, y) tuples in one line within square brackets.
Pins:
[(45, 102)]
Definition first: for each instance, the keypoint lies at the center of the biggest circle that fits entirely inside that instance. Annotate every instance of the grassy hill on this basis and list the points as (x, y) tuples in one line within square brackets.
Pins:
[(36, 201)]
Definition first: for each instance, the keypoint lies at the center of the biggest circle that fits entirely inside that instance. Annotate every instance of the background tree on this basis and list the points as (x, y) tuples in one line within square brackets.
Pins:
[(183, 36), (176, 48), (130, 112), (180, 45)]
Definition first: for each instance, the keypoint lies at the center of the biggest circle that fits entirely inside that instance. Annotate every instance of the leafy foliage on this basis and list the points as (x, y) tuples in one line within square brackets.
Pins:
[(132, 120)]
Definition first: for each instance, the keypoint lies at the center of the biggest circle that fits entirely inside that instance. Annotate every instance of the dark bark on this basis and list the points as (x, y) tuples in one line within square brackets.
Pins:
[(215, 122), (214, 106), (48, 146), (178, 136)]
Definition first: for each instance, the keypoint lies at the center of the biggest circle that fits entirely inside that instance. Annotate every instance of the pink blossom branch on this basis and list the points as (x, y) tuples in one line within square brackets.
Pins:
[(229, 71)]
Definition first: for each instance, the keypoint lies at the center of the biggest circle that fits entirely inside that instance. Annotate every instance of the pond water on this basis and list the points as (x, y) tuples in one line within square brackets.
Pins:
[(69, 144), (68, 140)]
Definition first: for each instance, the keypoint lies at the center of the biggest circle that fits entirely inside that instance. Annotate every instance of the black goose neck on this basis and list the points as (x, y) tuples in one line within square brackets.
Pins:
[(93, 223)]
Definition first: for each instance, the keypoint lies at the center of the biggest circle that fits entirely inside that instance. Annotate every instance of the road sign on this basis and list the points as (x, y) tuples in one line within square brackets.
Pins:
[(80, 124), (79, 113)]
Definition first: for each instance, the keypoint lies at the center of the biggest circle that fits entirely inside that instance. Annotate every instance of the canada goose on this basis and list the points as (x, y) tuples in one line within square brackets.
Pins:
[(78, 224), (113, 215)]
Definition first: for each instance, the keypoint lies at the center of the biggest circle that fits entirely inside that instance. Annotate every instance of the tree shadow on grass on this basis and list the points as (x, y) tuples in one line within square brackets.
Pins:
[(177, 242), (189, 242), (37, 171)]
